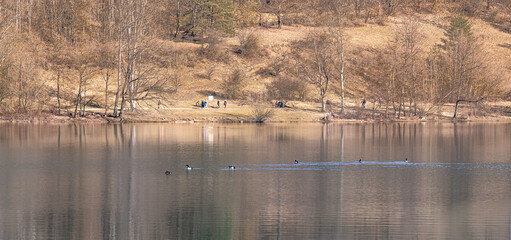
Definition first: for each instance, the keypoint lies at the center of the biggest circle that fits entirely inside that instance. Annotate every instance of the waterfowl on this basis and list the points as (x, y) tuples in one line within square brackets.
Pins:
[(360, 160), (232, 167), (167, 172), (296, 162), (188, 167), (406, 160)]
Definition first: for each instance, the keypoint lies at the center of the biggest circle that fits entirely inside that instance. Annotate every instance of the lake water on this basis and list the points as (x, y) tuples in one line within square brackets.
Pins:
[(108, 181)]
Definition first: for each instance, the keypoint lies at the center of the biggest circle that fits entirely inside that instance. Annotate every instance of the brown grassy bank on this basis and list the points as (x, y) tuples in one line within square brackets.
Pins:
[(185, 112)]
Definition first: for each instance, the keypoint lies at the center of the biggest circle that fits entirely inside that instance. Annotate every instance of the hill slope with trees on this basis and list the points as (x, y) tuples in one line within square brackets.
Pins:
[(402, 58)]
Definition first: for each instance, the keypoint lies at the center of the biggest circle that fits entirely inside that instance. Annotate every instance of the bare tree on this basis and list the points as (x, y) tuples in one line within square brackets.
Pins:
[(409, 36), (394, 74), (390, 6), (337, 29), (119, 67), (6, 24), (82, 65), (132, 21), (178, 18), (463, 54), (313, 61), (105, 62), (279, 8), (175, 78), (27, 79), (120, 25)]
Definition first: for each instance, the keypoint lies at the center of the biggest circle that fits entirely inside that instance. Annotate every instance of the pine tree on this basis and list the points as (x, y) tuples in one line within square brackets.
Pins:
[(216, 15), (223, 16), (460, 27)]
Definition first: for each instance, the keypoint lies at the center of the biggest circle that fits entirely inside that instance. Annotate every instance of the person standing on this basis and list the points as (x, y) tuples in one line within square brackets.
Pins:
[(218, 103), (225, 104)]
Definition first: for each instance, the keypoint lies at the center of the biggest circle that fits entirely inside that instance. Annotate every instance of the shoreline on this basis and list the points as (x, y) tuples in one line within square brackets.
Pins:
[(193, 116)]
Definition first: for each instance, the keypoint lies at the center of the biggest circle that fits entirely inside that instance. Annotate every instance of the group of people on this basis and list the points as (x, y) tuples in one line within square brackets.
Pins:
[(204, 103), (281, 104)]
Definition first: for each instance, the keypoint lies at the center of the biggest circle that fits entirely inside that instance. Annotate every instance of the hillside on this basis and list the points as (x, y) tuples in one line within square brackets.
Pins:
[(360, 38), (41, 75)]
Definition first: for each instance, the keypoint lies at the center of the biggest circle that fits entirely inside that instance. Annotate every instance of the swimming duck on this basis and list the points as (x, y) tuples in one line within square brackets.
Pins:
[(296, 162), (167, 172), (360, 160), (406, 160), (188, 167), (232, 167)]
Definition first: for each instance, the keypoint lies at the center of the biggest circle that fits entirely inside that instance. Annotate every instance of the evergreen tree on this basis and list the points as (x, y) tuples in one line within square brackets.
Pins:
[(216, 15), (460, 27), (223, 16)]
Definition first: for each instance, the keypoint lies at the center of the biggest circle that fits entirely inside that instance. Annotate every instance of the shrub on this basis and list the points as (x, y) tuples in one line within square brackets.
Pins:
[(175, 78), (274, 68), (260, 113), (250, 45), (382, 21), (233, 85), (210, 72), (5, 91), (287, 89), (211, 48)]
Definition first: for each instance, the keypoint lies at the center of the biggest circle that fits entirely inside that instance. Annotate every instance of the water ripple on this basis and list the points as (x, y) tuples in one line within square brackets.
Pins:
[(394, 164)]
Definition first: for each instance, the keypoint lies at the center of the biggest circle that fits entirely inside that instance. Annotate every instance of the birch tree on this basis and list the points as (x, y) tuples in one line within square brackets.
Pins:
[(337, 28)]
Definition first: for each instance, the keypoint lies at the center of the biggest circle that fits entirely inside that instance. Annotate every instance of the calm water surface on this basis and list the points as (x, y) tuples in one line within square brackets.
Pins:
[(108, 181)]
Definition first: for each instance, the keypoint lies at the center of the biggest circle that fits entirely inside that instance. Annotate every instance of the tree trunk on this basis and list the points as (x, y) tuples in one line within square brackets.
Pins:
[(212, 19), (178, 16), (194, 16), (84, 99), (461, 100), (20, 90), (323, 109), (106, 93), (122, 106), (456, 108), (133, 66), (410, 102), (401, 102), (279, 23), (413, 97), (79, 95), (342, 88), (387, 109), (119, 69), (341, 38), (394, 107), (415, 107), (374, 107), (58, 90)]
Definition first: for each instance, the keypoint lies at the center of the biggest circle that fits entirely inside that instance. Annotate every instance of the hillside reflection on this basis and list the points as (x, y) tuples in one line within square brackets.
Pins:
[(107, 181)]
